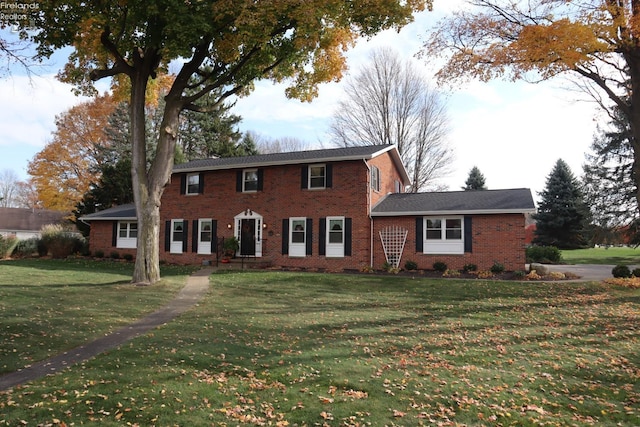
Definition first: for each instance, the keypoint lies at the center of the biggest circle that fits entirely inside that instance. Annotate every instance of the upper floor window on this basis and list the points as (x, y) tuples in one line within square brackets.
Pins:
[(317, 176), (375, 178), (192, 183), (250, 180)]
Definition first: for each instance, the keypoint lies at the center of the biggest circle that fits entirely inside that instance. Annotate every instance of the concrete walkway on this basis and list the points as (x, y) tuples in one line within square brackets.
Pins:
[(193, 292)]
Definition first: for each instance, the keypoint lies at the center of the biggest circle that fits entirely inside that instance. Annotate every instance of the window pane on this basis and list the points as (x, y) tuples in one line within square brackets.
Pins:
[(316, 177), (335, 230), (454, 229), (133, 230), (205, 236), (297, 231), (434, 223), (193, 183), (122, 229), (250, 181), (434, 234)]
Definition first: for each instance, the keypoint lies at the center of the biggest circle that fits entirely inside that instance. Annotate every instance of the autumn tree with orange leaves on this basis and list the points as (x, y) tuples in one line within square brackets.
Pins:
[(214, 44), (64, 169), (595, 40)]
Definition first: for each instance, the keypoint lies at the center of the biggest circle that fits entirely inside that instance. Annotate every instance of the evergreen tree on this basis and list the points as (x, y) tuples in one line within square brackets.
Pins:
[(475, 181), (212, 132), (562, 214), (609, 185)]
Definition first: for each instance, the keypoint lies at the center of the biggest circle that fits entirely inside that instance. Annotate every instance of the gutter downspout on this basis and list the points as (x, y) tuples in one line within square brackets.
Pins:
[(369, 213)]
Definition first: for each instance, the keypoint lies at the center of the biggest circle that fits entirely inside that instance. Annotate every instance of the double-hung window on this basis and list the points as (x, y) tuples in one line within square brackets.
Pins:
[(250, 180), (127, 234), (193, 183), (297, 236), (375, 178), (317, 176), (443, 235), (335, 236), (205, 235), (177, 235)]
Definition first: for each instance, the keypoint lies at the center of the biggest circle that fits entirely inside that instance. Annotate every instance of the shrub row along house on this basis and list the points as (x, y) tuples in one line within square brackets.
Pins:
[(332, 209)]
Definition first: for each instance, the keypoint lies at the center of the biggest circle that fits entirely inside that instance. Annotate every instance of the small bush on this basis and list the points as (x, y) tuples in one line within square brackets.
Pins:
[(7, 245), (128, 257), (114, 255), (621, 271), (451, 273), (469, 267), (410, 265), (519, 274), (636, 272), (497, 268), (99, 254), (27, 247), (440, 266), (59, 243), (544, 255)]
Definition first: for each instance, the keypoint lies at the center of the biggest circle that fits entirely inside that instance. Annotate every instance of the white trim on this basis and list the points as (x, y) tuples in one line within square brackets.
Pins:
[(443, 246), (237, 231), (244, 180), (127, 242), (175, 246), (204, 247), (186, 190), (317, 165), (334, 250), (298, 249)]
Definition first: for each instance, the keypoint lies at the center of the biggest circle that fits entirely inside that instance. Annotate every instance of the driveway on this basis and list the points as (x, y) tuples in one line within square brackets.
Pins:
[(593, 272)]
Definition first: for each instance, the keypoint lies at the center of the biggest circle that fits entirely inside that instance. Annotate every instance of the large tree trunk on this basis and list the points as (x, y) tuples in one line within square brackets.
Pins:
[(149, 185)]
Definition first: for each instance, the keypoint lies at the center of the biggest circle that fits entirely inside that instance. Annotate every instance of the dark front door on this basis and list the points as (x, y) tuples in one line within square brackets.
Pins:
[(248, 237)]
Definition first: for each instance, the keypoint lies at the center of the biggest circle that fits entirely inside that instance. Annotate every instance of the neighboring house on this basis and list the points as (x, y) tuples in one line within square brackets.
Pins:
[(27, 223), (330, 209)]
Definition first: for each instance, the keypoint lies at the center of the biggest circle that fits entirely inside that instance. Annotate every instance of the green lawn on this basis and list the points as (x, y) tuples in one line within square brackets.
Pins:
[(612, 256), (287, 349), (49, 306)]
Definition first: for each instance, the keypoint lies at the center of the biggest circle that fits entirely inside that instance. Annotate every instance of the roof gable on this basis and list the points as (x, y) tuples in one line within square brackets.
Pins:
[(517, 200)]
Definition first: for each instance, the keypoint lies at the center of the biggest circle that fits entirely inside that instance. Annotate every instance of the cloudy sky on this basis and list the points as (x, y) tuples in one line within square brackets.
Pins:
[(513, 132)]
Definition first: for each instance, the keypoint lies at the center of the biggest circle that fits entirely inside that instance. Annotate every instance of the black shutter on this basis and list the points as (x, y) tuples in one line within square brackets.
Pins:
[(285, 236), (239, 181), (201, 183), (328, 170), (214, 236), (322, 237), (194, 237), (114, 234), (419, 234), (185, 235), (260, 179), (468, 235), (304, 177), (347, 236), (309, 237), (167, 236), (183, 183)]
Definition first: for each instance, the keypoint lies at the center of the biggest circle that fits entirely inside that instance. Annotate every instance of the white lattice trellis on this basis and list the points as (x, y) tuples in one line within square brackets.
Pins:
[(393, 239)]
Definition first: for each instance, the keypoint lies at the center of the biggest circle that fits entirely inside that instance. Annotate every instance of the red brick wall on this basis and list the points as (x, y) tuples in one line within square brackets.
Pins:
[(101, 239), (282, 197), (496, 238), (388, 176)]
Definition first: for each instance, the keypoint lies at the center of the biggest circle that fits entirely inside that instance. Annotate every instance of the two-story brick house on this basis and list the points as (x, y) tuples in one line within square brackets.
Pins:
[(331, 209)]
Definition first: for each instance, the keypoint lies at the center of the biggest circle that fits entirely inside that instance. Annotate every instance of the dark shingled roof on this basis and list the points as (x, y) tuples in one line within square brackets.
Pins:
[(456, 202), (323, 155), (122, 212), (19, 219)]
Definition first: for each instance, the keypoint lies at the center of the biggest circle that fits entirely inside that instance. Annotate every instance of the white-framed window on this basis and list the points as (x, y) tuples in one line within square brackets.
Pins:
[(193, 184), (127, 235), (335, 236), (297, 236), (397, 187), (375, 178), (317, 176), (250, 180), (177, 236), (444, 235), (205, 234)]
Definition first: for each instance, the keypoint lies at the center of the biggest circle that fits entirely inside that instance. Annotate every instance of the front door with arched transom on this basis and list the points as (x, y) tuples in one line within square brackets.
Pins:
[(248, 230)]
